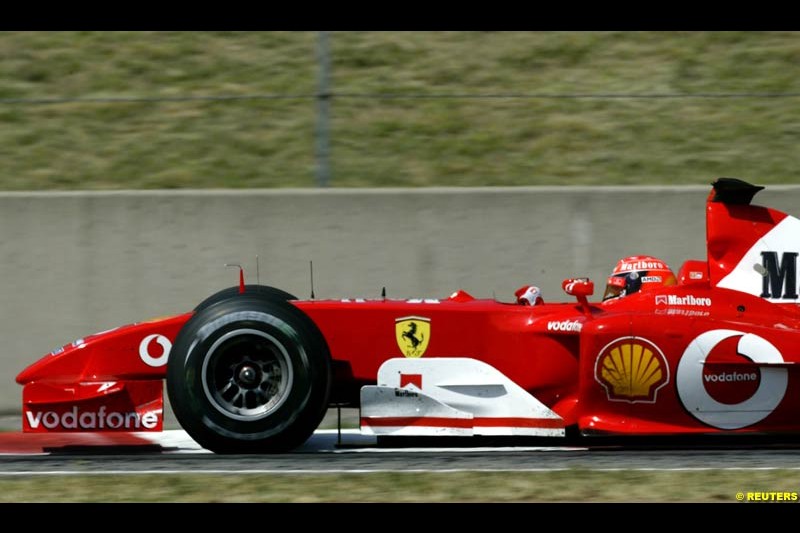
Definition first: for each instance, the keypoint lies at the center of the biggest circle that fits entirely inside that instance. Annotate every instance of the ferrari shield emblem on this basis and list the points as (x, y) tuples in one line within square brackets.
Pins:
[(413, 334)]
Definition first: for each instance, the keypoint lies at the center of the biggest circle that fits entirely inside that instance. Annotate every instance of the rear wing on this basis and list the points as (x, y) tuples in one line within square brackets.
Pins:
[(751, 249)]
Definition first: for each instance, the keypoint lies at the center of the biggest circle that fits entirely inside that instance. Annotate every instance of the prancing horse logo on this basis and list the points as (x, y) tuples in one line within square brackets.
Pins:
[(413, 333)]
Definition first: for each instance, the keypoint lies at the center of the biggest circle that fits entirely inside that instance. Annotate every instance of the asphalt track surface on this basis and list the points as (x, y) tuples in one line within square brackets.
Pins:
[(359, 454)]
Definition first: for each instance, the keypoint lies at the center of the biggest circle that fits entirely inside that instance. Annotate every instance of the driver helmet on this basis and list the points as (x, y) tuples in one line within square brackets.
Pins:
[(638, 273)]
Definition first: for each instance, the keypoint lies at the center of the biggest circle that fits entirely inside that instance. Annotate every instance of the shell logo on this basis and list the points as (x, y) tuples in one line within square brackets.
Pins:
[(631, 369)]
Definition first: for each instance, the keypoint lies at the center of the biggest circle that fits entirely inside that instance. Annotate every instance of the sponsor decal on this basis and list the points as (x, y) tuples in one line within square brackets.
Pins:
[(90, 420), (769, 268), (681, 312), (721, 383), (405, 393), (631, 369), (695, 275), (413, 334), (565, 325), (155, 358), (651, 279), (779, 275), (411, 379), (423, 301), (642, 265), (688, 300), (731, 376)]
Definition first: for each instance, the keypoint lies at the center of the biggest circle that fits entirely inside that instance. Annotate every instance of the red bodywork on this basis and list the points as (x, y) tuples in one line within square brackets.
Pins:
[(696, 357)]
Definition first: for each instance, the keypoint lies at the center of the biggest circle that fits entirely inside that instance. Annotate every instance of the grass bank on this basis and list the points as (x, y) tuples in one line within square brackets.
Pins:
[(408, 108)]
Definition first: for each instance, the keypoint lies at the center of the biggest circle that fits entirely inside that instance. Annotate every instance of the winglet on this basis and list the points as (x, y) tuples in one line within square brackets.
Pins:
[(733, 191)]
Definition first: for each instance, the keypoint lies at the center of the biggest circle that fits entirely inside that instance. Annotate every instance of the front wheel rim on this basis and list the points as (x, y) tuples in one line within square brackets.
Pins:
[(247, 374)]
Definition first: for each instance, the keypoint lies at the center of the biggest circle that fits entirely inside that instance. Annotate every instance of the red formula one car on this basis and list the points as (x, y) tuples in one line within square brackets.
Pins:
[(253, 369)]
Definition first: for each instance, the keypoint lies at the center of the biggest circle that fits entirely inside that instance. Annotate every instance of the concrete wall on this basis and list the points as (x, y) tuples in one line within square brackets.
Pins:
[(77, 263)]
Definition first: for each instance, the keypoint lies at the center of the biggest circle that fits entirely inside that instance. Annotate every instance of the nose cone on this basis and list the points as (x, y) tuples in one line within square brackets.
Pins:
[(48, 366), (136, 351), (28, 374)]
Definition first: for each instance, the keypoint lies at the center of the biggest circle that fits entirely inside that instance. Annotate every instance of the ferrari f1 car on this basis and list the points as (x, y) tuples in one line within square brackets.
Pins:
[(253, 369)]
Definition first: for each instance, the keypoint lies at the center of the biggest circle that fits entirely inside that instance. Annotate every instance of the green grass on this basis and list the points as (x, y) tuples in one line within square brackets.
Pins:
[(570, 486), (398, 141)]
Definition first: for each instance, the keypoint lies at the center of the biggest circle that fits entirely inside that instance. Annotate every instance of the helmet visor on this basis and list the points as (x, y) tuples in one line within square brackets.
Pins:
[(615, 287)]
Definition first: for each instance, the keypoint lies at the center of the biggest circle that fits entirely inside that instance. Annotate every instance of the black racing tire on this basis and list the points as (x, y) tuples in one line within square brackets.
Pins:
[(270, 293), (249, 375)]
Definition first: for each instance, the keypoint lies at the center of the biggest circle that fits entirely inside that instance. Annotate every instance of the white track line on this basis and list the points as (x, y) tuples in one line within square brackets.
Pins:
[(325, 441), (177, 441), (485, 449)]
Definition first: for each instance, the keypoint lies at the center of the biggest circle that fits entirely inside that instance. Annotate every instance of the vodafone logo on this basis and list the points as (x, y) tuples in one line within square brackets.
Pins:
[(155, 357), (724, 390), (91, 421), (565, 325), (730, 376)]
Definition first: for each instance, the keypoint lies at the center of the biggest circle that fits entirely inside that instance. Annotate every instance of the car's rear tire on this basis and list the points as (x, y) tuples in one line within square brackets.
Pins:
[(249, 375)]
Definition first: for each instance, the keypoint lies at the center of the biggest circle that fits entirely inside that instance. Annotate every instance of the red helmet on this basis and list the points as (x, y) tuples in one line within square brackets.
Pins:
[(638, 273)]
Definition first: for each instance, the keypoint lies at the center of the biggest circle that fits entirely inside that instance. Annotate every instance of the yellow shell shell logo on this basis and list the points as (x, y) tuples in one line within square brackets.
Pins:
[(631, 369)]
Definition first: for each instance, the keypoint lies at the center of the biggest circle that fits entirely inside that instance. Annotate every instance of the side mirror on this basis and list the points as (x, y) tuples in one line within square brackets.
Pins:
[(578, 287)]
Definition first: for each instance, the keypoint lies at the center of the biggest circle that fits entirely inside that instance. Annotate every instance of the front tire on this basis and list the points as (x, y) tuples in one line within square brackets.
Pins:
[(249, 375), (263, 291)]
